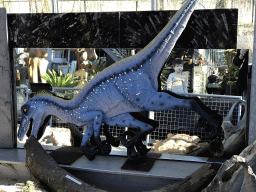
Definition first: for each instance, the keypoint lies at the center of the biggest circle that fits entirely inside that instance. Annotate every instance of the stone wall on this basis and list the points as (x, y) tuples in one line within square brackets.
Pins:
[(7, 118)]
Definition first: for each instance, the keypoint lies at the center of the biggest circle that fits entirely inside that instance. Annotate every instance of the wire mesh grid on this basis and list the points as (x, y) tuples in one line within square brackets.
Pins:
[(183, 121)]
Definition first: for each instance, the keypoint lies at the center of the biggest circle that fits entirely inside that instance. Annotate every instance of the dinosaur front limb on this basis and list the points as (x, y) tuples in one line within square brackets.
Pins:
[(95, 119), (127, 120), (90, 152), (109, 138), (104, 148)]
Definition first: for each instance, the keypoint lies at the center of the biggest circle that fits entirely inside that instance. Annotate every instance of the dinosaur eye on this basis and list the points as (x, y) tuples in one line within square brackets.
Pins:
[(25, 110)]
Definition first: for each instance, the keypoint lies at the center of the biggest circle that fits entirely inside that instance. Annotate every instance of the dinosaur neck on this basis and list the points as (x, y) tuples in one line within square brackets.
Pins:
[(63, 109), (152, 58), (158, 50), (54, 102)]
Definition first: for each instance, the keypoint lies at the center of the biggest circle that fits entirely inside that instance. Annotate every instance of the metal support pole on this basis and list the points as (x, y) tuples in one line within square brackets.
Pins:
[(154, 5), (55, 8), (8, 119)]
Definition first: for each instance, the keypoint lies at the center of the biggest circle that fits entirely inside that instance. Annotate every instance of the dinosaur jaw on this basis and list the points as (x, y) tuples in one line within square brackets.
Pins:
[(24, 125), (29, 126)]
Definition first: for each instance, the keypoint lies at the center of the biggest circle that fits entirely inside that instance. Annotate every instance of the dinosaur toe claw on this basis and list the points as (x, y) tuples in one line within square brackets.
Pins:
[(125, 142), (132, 154), (113, 141), (105, 148), (90, 153), (213, 129), (142, 149), (213, 133)]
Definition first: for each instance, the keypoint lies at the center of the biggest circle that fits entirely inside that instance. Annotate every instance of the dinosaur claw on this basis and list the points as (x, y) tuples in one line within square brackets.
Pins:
[(132, 154), (90, 153), (141, 148), (113, 141), (109, 138), (206, 127), (124, 141), (104, 148)]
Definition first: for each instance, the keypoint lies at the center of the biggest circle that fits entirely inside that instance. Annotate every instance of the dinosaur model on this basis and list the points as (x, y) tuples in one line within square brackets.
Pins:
[(117, 93)]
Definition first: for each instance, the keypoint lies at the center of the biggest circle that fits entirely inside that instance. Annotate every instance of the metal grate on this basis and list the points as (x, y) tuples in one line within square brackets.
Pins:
[(183, 121)]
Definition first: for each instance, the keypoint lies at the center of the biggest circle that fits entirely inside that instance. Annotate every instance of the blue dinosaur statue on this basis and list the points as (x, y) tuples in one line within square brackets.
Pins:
[(113, 97)]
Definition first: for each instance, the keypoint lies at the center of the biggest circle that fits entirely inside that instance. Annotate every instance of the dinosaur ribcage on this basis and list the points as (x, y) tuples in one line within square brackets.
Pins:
[(107, 98), (135, 86)]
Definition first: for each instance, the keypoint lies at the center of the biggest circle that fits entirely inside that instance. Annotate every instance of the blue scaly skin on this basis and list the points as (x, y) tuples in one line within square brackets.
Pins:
[(128, 86)]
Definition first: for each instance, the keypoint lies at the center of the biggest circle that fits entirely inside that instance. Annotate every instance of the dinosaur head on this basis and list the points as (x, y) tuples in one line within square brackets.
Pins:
[(33, 120), (28, 114)]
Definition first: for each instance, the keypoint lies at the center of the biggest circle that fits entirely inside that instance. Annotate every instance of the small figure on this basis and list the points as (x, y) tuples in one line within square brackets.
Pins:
[(177, 82)]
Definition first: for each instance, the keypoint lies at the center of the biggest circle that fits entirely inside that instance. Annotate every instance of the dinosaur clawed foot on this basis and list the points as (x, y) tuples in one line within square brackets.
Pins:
[(90, 153), (109, 138), (136, 142), (142, 149), (213, 129), (104, 148), (132, 154)]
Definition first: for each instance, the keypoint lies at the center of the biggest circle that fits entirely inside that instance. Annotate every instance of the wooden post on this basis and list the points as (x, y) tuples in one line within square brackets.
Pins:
[(7, 93)]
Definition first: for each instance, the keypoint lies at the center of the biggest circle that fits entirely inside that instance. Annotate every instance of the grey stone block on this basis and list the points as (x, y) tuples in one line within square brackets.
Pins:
[(7, 117)]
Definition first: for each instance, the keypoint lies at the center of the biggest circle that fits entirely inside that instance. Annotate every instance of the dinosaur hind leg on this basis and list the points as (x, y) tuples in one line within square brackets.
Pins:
[(168, 100), (127, 120)]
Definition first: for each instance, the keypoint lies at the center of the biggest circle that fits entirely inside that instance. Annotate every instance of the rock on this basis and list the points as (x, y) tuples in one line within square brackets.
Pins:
[(179, 144), (184, 137), (236, 174)]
